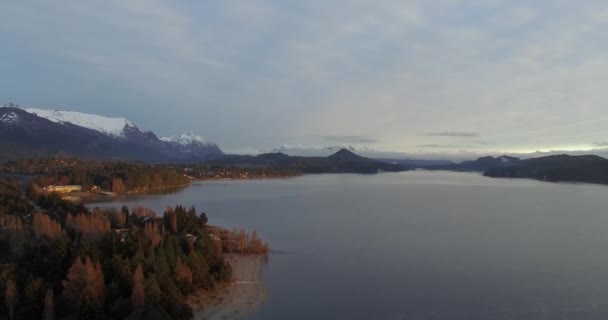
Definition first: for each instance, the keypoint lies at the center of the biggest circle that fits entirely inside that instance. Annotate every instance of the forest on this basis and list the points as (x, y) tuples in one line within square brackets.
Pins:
[(59, 260), (124, 177), (116, 177)]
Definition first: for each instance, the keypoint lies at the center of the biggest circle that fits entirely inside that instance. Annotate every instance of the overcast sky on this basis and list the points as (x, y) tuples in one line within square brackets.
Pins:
[(421, 77)]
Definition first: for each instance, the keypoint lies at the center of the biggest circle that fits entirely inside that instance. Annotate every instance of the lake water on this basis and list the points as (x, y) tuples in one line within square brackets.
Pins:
[(419, 245)]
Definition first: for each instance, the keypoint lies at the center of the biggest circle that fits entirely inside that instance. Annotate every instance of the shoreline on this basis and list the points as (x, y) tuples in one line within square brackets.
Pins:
[(94, 198), (236, 300)]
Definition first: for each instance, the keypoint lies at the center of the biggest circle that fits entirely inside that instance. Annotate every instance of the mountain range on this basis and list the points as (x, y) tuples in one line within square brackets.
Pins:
[(30, 132), (481, 164), (554, 168), (343, 161), (558, 168)]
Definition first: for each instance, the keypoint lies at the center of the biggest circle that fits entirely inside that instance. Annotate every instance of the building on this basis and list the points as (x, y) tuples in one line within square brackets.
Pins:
[(63, 189)]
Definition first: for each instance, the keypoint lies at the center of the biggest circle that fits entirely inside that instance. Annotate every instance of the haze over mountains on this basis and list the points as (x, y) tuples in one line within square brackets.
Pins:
[(29, 132), (342, 161)]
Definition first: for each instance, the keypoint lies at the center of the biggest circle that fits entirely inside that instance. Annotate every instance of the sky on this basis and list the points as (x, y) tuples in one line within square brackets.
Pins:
[(425, 78)]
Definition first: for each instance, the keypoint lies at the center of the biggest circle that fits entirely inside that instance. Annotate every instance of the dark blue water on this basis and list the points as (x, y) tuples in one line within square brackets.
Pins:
[(419, 245)]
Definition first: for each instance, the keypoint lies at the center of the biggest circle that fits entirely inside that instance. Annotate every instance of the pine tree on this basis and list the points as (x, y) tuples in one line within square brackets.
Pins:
[(171, 218), (183, 274), (199, 268), (153, 292)]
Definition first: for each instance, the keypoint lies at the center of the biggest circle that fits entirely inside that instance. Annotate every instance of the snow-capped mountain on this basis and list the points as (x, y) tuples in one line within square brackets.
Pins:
[(31, 132), (191, 143), (110, 126), (187, 138)]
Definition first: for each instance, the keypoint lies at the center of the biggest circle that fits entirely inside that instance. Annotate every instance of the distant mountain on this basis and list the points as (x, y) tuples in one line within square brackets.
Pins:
[(487, 163), (194, 145), (29, 132), (344, 155), (482, 164), (343, 161), (589, 168)]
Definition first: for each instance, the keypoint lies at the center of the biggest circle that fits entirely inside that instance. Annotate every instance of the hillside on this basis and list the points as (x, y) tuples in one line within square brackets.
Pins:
[(566, 168)]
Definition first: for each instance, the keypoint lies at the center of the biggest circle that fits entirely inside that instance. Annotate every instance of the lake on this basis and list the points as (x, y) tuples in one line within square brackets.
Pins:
[(418, 245)]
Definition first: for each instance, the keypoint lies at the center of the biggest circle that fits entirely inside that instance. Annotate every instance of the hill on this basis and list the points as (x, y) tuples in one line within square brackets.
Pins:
[(565, 168), (343, 161)]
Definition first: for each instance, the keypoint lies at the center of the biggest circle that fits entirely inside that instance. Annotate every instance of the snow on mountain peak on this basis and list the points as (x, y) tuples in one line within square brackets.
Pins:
[(10, 105), (187, 138), (110, 126), (9, 118)]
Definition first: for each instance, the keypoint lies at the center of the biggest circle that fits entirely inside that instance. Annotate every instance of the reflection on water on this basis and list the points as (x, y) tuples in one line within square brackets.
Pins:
[(418, 245)]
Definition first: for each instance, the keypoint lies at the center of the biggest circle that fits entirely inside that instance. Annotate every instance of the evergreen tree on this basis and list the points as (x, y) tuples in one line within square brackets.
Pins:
[(153, 292)]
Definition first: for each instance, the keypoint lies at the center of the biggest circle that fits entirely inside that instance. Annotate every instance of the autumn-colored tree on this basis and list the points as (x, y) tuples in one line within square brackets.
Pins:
[(76, 281), (256, 245), (49, 306), (10, 297), (183, 274), (91, 225), (152, 232), (96, 279), (142, 212), (44, 226), (138, 292), (84, 279), (13, 224), (242, 240), (117, 185)]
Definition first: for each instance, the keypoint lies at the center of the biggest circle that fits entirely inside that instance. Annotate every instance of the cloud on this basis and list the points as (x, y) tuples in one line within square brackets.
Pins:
[(251, 74), (600, 144), (444, 146), (457, 134), (349, 139)]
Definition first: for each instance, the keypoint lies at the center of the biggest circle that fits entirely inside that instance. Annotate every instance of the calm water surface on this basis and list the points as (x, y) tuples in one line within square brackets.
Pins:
[(419, 245)]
